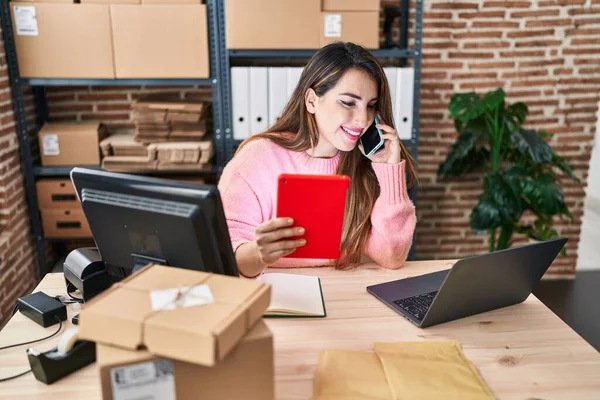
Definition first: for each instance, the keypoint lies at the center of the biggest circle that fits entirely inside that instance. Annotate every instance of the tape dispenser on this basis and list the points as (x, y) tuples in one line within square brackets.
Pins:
[(70, 355)]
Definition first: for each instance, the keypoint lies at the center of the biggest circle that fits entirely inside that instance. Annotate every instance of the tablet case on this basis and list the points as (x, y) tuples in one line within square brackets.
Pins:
[(317, 203)]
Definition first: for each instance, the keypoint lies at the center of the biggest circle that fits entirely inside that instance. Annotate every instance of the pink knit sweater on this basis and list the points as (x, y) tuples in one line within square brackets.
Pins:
[(248, 188)]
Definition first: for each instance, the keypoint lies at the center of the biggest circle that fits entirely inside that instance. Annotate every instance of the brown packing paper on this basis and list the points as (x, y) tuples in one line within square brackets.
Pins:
[(124, 144), (168, 102), (429, 370), (406, 371), (185, 167), (350, 375), (183, 152)]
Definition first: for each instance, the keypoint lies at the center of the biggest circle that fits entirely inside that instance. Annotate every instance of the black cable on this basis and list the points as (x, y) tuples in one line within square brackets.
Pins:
[(77, 299), (14, 376), (37, 340), (66, 301), (33, 341)]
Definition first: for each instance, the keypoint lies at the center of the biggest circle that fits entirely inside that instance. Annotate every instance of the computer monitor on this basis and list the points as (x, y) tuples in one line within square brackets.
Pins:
[(137, 220)]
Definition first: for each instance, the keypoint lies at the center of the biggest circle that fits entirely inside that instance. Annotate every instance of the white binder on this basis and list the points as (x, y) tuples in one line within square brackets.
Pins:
[(404, 101), (240, 102), (293, 76), (278, 96), (390, 73), (259, 106)]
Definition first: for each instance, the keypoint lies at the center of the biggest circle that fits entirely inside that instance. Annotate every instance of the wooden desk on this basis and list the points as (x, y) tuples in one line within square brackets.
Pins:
[(522, 352)]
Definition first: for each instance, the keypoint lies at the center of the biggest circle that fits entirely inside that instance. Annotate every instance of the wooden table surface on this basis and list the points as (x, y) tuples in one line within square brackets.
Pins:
[(522, 352)]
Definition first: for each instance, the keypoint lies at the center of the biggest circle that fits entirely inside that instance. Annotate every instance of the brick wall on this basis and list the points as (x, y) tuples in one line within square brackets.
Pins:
[(544, 53), (18, 272)]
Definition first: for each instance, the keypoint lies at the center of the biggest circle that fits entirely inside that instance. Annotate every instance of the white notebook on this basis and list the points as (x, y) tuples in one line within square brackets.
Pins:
[(294, 295)]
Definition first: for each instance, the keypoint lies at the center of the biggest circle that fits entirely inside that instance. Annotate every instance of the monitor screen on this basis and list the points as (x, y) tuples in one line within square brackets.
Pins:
[(137, 220)]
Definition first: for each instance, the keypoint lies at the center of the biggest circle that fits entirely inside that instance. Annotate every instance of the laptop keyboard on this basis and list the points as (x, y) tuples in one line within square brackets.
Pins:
[(417, 306)]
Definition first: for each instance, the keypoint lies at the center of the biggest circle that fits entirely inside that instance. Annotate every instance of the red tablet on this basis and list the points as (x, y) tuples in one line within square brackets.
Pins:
[(316, 203)]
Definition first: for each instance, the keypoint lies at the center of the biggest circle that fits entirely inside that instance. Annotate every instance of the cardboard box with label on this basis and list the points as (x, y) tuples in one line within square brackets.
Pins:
[(71, 143), (160, 41), (181, 314), (60, 40), (267, 24), (361, 27), (246, 373)]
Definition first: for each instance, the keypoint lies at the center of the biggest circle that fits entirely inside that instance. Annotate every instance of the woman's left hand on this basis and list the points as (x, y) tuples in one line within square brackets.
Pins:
[(390, 152)]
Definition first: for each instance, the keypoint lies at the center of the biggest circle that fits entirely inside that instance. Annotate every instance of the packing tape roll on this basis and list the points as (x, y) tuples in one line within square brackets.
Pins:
[(67, 340)]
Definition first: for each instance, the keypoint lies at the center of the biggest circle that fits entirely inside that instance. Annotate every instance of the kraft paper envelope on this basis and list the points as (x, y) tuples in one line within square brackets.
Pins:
[(430, 370), (350, 375), (400, 371)]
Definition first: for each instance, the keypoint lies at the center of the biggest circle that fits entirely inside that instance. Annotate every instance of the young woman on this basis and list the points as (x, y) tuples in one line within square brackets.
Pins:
[(336, 99)]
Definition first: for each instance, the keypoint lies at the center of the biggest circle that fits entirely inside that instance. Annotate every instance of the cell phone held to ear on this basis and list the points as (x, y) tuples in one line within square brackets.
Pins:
[(316, 203), (371, 140)]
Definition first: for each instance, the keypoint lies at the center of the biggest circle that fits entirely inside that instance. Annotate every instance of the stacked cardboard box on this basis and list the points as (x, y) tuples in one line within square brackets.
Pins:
[(111, 38), (170, 134), (61, 212), (160, 119), (178, 347)]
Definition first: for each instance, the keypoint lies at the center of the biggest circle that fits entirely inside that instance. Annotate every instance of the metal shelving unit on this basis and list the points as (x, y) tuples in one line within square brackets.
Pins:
[(33, 171)]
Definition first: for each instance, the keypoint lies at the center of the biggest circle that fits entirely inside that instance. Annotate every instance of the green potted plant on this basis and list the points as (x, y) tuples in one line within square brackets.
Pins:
[(520, 168)]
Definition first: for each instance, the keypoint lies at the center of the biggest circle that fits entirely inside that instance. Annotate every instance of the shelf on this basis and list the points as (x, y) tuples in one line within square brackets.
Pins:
[(115, 82), (380, 53), (65, 171)]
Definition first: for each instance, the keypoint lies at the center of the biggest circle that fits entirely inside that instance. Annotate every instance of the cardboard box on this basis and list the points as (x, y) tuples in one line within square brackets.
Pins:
[(124, 315), (63, 40), (65, 223), (71, 143), (351, 5), (160, 41), (267, 24), (247, 372), (56, 193), (351, 26)]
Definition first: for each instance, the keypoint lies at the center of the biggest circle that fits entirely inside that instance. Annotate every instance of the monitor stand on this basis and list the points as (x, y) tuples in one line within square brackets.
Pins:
[(140, 261)]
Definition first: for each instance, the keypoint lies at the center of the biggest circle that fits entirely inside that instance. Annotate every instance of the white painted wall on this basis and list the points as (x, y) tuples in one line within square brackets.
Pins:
[(589, 244)]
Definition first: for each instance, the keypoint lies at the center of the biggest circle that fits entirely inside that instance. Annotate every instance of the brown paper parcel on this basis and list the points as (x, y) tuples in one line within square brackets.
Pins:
[(123, 316)]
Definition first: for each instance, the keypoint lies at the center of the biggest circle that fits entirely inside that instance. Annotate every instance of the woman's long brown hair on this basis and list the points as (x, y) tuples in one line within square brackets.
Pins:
[(296, 130)]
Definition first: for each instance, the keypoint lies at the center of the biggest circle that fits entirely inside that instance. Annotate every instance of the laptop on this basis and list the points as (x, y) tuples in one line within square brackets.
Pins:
[(473, 285)]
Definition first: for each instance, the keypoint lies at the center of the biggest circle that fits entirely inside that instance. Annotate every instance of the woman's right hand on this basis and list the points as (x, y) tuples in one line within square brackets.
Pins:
[(272, 239)]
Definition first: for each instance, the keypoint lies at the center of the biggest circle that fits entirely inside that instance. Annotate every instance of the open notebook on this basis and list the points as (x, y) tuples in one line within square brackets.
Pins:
[(294, 295)]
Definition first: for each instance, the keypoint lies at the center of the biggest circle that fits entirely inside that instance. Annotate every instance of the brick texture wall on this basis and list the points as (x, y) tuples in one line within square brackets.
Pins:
[(18, 271), (544, 53)]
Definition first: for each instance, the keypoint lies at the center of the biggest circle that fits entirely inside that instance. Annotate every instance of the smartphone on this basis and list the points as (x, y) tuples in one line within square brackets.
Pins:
[(371, 140)]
